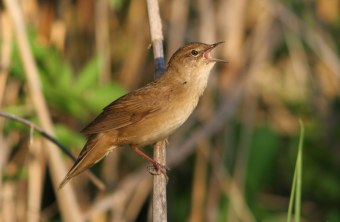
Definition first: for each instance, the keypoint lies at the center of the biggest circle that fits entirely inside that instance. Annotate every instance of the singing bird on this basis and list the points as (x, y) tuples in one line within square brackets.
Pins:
[(151, 113)]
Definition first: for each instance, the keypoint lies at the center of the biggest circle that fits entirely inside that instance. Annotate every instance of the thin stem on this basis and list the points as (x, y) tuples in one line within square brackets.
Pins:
[(291, 198), (159, 204), (63, 148), (66, 198), (299, 174), (295, 195)]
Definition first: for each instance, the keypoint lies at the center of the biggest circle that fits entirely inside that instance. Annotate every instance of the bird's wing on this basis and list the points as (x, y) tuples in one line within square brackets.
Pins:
[(128, 109)]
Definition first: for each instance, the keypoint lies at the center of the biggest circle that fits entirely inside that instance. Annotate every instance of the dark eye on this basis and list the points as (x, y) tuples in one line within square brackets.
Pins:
[(194, 53)]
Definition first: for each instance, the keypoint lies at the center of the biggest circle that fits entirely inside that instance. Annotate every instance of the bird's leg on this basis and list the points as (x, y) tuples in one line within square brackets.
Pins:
[(157, 166)]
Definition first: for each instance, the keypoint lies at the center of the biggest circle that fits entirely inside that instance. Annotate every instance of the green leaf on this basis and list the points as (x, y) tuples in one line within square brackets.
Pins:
[(69, 137), (295, 196), (88, 77), (102, 96)]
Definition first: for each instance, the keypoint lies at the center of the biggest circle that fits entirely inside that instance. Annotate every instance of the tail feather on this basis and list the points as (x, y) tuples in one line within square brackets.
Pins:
[(96, 148)]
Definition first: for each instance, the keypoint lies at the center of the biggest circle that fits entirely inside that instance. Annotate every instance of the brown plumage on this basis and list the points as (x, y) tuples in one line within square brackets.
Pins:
[(151, 113)]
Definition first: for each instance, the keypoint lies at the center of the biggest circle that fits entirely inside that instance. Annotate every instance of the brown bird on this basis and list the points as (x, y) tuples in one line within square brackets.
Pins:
[(151, 113)]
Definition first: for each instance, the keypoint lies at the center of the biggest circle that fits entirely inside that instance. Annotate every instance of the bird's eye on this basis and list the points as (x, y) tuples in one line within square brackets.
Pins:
[(194, 53)]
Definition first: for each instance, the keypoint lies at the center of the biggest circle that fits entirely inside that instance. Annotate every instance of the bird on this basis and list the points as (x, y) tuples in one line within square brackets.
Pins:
[(151, 113)]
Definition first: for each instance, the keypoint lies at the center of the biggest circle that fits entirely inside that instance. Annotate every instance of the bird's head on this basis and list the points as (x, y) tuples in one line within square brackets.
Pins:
[(194, 56)]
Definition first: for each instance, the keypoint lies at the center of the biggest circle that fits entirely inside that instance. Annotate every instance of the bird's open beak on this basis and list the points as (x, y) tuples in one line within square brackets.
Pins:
[(208, 51)]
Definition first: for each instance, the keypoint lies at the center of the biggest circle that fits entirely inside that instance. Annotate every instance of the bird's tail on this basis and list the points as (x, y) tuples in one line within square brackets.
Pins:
[(96, 148)]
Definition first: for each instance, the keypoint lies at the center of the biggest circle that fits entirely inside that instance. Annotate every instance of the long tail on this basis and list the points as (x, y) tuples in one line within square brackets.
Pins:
[(95, 149)]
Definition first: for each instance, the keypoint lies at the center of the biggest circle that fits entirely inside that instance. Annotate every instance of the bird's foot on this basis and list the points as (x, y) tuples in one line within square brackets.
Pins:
[(156, 168)]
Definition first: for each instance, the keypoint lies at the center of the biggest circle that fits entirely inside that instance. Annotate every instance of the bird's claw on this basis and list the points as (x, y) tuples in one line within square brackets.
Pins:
[(157, 169)]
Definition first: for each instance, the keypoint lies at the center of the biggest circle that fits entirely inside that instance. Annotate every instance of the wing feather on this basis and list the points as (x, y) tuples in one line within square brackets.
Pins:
[(128, 109)]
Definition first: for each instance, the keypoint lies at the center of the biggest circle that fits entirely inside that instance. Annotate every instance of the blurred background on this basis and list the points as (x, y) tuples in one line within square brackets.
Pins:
[(234, 158)]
